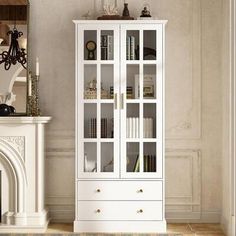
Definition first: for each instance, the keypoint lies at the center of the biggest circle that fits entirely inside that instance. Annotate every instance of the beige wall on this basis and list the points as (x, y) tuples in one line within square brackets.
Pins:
[(193, 102)]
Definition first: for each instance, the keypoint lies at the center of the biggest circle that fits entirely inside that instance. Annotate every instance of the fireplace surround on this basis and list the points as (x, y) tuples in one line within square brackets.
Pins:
[(22, 174)]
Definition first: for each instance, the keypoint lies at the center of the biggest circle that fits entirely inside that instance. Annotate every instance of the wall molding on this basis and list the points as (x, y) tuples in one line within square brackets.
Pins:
[(188, 202), (189, 127)]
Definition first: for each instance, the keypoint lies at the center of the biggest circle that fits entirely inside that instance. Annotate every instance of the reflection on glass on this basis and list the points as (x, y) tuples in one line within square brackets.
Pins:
[(149, 120), (90, 157), (107, 45), (107, 157), (132, 45), (90, 45), (149, 157), (133, 158), (107, 81), (149, 82), (90, 81), (149, 45), (90, 121)]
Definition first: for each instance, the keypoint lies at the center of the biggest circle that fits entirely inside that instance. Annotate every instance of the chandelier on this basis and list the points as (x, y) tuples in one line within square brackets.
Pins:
[(15, 54)]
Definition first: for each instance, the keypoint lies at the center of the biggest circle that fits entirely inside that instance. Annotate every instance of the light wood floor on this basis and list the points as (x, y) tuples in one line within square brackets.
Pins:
[(178, 229)]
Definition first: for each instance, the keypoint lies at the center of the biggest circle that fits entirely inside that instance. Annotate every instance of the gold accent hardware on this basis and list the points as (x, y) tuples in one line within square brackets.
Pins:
[(115, 100), (140, 211), (98, 190), (140, 191), (98, 211), (122, 101)]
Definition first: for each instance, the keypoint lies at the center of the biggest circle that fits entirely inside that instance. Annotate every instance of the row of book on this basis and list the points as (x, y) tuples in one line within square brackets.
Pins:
[(106, 128), (130, 48), (106, 47), (133, 128), (149, 163)]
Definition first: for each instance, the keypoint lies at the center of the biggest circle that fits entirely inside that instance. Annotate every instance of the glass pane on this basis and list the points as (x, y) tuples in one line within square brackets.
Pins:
[(149, 45), (149, 121), (132, 121), (107, 157), (149, 158), (90, 45), (149, 82), (90, 81), (107, 121), (90, 157), (107, 81), (132, 45), (132, 161), (90, 121), (107, 45), (132, 90)]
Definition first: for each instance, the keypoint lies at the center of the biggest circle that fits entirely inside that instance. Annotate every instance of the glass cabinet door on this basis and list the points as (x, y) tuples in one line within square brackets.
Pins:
[(98, 84), (141, 101)]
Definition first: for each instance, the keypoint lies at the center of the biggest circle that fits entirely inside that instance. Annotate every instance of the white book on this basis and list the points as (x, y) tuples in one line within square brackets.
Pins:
[(127, 127), (110, 47), (128, 48), (133, 128), (137, 127), (144, 127), (130, 127), (151, 128), (132, 48)]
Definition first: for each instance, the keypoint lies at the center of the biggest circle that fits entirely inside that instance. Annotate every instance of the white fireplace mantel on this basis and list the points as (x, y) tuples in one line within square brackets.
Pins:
[(22, 174)]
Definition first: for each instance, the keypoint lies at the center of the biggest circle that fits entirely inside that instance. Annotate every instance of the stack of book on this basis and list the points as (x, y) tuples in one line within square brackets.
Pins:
[(149, 163), (130, 48), (106, 47), (132, 127), (104, 128)]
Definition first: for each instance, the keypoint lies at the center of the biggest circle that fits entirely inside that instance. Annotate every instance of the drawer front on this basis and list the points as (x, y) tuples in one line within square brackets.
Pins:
[(120, 211), (119, 190)]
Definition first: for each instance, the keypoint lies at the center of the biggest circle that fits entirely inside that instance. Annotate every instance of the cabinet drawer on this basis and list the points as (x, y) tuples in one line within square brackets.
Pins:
[(122, 211), (119, 190)]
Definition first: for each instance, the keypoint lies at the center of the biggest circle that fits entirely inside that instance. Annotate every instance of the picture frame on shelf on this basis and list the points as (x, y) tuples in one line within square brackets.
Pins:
[(149, 86)]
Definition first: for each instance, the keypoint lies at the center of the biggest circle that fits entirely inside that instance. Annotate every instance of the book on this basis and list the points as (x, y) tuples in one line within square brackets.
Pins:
[(110, 47), (128, 48), (136, 164), (132, 48)]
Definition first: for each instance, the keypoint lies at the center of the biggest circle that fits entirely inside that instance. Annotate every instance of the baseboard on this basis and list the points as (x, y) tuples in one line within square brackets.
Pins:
[(228, 226)]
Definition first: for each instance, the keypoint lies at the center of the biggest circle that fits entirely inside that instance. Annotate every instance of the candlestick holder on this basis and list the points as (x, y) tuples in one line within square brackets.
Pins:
[(33, 99)]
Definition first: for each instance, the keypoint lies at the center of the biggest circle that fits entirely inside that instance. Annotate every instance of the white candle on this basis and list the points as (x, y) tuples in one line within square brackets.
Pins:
[(30, 85), (37, 66)]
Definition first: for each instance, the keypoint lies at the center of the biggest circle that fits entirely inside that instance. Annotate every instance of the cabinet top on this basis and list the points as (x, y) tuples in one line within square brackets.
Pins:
[(120, 22), (24, 120)]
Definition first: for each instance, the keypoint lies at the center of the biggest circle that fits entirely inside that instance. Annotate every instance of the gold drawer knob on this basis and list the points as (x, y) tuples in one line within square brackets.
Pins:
[(140, 191), (140, 211), (98, 211), (98, 190)]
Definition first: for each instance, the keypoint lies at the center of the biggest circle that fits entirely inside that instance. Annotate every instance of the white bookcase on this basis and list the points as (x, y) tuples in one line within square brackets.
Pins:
[(120, 126)]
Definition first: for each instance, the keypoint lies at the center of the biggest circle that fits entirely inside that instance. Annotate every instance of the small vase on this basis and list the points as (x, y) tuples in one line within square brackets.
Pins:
[(4, 110), (126, 10)]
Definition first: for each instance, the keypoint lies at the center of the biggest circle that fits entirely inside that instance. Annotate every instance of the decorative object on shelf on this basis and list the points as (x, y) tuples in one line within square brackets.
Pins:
[(146, 52), (110, 10), (104, 93), (148, 86), (6, 110), (15, 53), (145, 12), (33, 93), (108, 166), (91, 46), (91, 90), (125, 14), (89, 165)]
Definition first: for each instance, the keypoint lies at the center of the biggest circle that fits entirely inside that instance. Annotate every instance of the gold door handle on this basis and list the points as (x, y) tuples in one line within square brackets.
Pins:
[(140, 211), (122, 101), (98, 211), (115, 101), (140, 191), (98, 190)]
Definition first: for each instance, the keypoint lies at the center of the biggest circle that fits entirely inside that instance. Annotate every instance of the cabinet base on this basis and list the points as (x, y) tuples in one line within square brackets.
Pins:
[(120, 226)]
